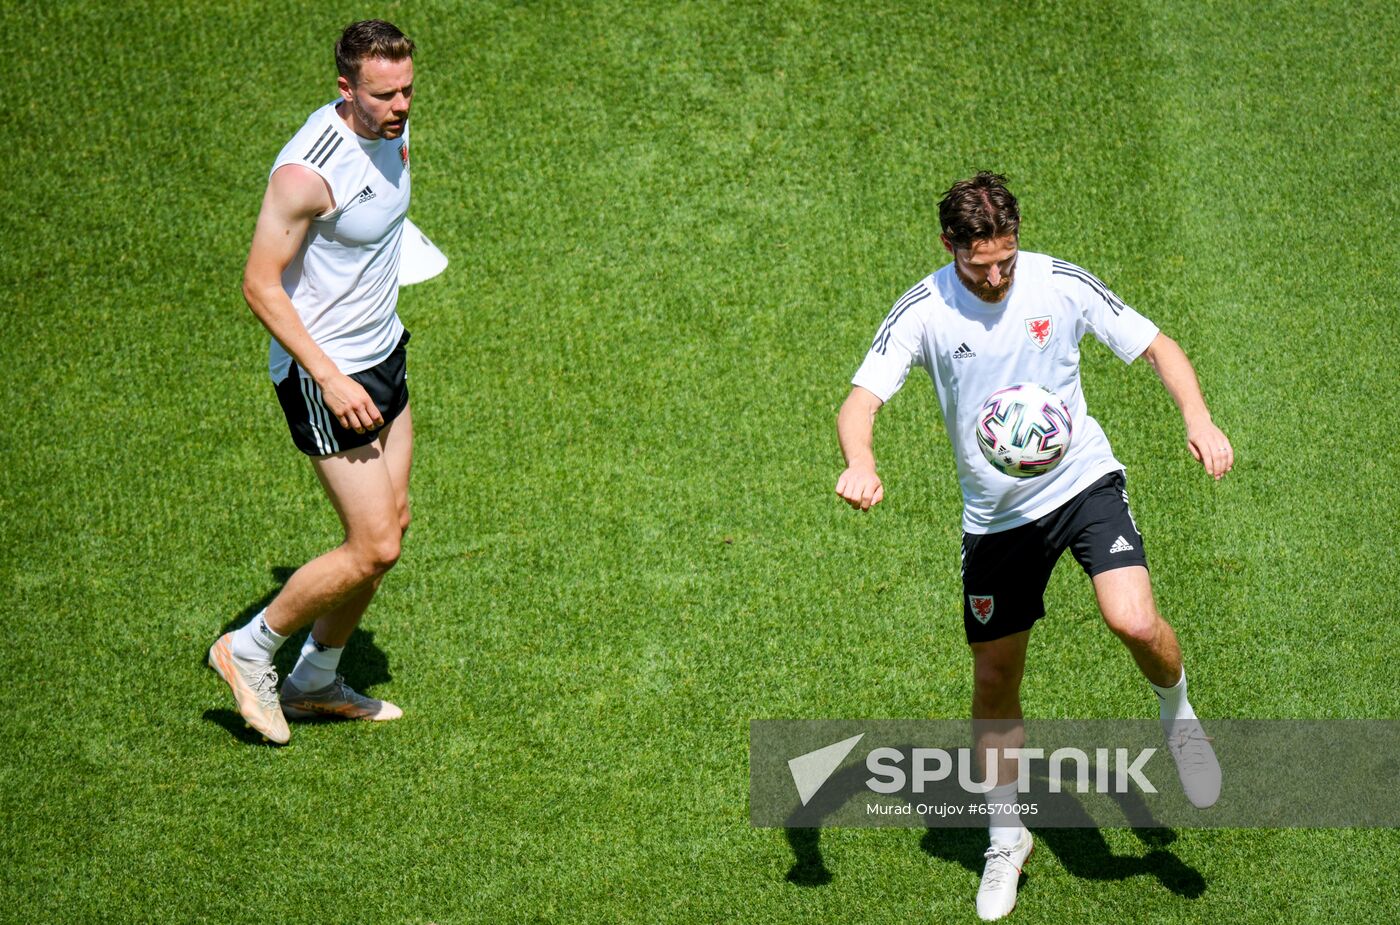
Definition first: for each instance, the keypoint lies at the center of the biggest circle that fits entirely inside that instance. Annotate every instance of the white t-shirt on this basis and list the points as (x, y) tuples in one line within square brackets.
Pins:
[(344, 281), (972, 348)]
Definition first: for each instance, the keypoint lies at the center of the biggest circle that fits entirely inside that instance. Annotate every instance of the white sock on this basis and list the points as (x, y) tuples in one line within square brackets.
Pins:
[(255, 642), (1175, 706), (1005, 827), (316, 667)]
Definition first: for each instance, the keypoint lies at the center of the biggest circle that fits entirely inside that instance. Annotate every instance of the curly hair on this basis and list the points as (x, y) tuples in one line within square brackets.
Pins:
[(979, 209)]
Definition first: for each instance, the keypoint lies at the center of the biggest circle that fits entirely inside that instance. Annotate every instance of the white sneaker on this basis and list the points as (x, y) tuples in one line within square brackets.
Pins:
[(1195, 762), (996, 896)]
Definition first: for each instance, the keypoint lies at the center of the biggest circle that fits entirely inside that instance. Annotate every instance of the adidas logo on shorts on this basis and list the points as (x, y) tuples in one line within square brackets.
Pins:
[(1120, 545)]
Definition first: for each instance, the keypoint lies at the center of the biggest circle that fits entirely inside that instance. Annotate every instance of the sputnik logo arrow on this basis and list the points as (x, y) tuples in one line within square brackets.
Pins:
[(811, 770)]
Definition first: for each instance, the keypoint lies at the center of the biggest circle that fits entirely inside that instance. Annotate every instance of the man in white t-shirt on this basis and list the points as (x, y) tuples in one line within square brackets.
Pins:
[(993, 317), (323, 278)]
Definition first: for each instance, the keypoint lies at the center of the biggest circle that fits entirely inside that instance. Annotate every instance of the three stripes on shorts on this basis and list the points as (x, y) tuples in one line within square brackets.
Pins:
[(318, 416)]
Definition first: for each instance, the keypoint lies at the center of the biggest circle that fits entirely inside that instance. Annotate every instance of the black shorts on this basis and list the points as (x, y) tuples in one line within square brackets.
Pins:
[(315, 430), (1005, 574)]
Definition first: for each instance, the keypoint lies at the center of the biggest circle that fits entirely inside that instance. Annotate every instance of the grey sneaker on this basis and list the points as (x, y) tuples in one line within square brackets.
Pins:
[(996, 897), (335, 699), (1195, 762), (254, 686)]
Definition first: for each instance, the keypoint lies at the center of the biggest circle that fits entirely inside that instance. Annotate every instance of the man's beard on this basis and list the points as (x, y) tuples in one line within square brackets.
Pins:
[(985, 291), (368, 121)]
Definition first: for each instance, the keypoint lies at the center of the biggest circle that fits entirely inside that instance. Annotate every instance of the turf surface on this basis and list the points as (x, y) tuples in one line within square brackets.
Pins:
[(673, 230)]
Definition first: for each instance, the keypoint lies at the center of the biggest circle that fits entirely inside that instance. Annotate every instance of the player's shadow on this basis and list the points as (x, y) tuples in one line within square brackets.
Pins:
[(1075, 840), (363, 664), (809, 867)]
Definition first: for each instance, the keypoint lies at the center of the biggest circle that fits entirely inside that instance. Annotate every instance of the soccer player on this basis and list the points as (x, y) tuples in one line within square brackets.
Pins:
[(323, 278), (993, 317)]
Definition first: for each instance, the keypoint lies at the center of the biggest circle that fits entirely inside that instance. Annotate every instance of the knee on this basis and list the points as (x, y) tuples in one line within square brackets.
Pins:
[(995, 681), (375, 557), (405, 518), (1137, 626), (385, 555)]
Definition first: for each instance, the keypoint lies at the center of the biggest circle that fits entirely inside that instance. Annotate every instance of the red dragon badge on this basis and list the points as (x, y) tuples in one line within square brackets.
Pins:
[(981, 606), (1038, 329)]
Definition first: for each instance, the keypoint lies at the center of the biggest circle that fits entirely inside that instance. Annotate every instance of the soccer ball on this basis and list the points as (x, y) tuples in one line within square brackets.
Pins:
[(1023, 430)]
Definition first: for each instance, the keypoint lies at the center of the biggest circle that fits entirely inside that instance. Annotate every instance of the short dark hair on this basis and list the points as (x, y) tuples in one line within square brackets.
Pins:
[(979, 209), (370, 38)]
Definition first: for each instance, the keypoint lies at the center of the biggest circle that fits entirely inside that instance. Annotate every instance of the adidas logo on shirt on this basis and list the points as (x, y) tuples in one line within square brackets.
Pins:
[(963, 352), (1120, 545), (365, 195)]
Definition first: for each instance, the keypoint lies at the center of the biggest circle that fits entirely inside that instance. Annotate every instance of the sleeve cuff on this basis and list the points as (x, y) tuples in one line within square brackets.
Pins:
[(880, 375), (1131, 355)]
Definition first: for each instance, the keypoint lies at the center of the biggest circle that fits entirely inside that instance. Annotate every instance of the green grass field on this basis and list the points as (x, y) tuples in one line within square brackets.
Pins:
[(673, 230)]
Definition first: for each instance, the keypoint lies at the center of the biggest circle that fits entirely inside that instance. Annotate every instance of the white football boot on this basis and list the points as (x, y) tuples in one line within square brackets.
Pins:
[(1195, 762), (996, 897), (254, 686)]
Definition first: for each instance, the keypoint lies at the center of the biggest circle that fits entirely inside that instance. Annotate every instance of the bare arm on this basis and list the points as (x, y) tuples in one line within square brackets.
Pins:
[(296, 195), (1207, 442), (859, 486)]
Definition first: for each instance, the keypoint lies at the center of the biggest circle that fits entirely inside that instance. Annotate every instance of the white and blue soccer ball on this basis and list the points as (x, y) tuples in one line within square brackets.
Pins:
[(1024, 430)]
